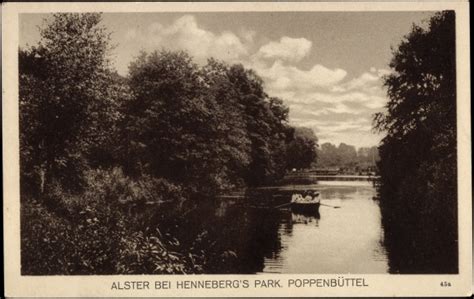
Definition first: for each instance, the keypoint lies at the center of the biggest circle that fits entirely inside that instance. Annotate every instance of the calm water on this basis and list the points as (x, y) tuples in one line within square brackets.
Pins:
[(343, 240)]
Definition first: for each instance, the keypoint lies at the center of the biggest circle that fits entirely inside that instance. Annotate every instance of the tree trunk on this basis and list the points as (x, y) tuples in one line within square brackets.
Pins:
[(42, 174)]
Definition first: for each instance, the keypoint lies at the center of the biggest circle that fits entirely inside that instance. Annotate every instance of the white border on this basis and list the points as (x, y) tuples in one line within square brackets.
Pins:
[(379, 285)]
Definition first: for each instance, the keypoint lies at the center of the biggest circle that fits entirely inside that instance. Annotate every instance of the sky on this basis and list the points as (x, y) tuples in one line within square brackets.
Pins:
[(326, 66)]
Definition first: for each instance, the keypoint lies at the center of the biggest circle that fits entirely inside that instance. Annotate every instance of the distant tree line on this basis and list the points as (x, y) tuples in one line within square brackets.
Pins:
[(418, 166), (94, 146), (302, 150), (346, 156)]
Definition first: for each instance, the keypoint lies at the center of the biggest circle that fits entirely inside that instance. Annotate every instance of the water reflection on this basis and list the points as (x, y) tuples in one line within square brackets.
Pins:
[(299, 218), (343, 240)]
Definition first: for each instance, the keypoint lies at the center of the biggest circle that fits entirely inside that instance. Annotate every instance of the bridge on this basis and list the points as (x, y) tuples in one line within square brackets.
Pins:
[(346, 177), (312, 178)]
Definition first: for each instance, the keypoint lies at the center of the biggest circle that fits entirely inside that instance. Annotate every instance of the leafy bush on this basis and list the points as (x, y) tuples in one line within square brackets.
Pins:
[(418, 165), (53, 244), (101, 231), (179, 131), (114, 186)]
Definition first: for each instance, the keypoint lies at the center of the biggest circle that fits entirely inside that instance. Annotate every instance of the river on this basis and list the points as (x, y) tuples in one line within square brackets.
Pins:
[(347, 239)]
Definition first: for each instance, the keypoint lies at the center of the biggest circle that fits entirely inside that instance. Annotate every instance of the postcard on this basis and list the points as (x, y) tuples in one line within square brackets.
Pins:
[(237, 149)]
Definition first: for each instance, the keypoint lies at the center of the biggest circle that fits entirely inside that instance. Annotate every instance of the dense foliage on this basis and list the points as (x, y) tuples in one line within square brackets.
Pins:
[(65, 88), (418, 156), (109, 165), (302, 149), (212, 127), (346, 156)]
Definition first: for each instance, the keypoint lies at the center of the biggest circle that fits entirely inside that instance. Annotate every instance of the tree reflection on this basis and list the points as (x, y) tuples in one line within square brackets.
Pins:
[(241, 238)]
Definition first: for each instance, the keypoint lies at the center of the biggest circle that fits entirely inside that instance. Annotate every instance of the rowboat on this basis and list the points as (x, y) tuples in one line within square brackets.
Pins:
[(306, 204), (307, 207)]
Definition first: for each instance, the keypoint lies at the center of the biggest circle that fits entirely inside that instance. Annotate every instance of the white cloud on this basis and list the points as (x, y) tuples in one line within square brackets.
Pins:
[(282, 77), (342, 108), (369, 82), (339, 126), (380, 72), (366, 100), (338, 108), (363, 81), (341, 112), (186, 34), (289, 49)]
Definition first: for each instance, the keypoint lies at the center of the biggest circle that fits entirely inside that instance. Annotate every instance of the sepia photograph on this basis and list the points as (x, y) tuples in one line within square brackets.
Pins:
[(239, 143)]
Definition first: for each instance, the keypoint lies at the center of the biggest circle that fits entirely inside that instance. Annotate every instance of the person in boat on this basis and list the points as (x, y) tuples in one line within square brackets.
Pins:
[(316, 196), (296, 197), (308, 197)]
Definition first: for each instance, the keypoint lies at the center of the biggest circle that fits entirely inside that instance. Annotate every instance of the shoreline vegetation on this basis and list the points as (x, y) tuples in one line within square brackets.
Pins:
[(113, 167), (418, 165)]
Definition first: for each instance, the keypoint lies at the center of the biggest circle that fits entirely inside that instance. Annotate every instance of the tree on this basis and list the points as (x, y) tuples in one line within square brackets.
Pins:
[(234, 139), (266, 122), (368, 155), (327, 155), (281, 138), (347, 154), (302, 149), (212, 127), (106, 125), (62, 80), (172, 126), (418, 190)]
